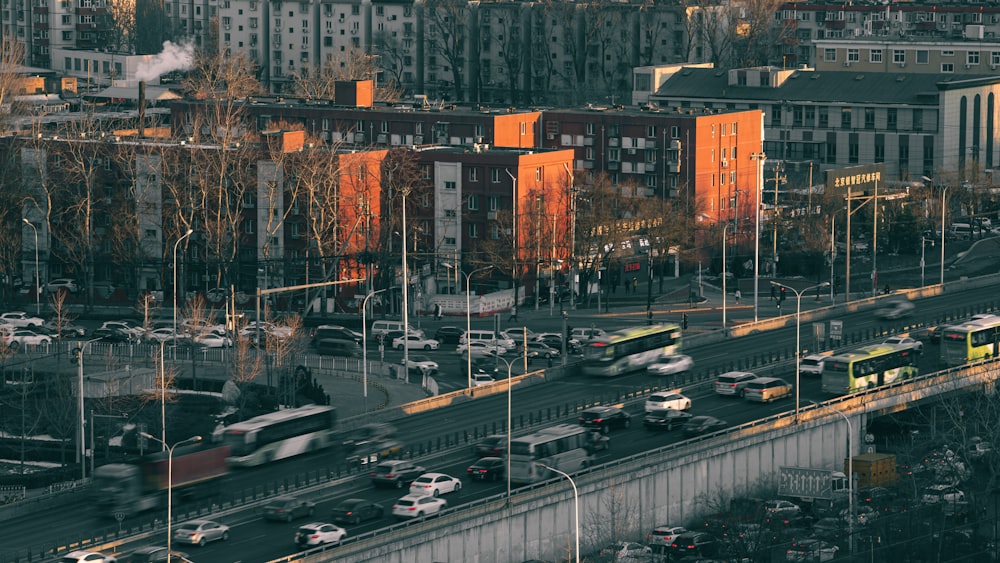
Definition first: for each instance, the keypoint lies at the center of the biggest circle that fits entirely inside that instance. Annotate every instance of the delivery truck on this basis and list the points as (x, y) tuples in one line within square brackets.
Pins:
[(124, 489)]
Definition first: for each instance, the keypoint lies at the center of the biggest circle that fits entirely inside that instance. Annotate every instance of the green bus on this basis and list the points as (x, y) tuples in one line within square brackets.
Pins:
[(869, 366), (971, 341), (630, 349)]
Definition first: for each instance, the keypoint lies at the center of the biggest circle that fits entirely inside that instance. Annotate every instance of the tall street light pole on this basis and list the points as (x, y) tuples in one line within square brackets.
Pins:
[(170, 481), (944, 206), (513, 180), (572, 238), (510, 367), (468, 313), (364, 344), (850, 472), (798, 333), (759, 158), (81, 437), (176, 244), (576, 507), (725, 227), (406, 300), (38, 287)]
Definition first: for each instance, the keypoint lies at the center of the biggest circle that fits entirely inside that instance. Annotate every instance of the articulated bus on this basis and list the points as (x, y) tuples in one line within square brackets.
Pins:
[(630, 349), (564, 447), (869, 366), (970, 341), (278, 435)]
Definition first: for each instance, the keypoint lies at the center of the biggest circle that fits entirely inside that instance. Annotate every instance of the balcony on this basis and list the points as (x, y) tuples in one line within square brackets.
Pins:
[(836, 24)]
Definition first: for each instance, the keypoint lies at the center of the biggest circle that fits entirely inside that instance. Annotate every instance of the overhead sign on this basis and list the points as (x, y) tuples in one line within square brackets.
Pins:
[(805, 482), (856, 177)]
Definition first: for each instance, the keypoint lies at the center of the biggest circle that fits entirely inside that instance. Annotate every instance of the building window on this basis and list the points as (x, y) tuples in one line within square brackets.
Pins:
[(947, 67), (853, 55), (473, 230), (890, 119), (824, 117), (426, 172), (474, 174), (614, 155), (923, 57), (589, 129), (675, 132), (538, 174), (775, 116), (830, 55), (853, 148), (972, 58), (650, 180), (450, 213), (898, 56), (588, 153), (869, 118), (918, 120), (495, 175), (450, 185), (474, 202), (994, 58), (249, 226), (875, 56), (494, 202), (845, 118)]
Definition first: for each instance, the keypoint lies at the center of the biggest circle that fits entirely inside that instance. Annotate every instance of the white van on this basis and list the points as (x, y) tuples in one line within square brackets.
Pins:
[(487, 337), (961, 230), (381, 328)]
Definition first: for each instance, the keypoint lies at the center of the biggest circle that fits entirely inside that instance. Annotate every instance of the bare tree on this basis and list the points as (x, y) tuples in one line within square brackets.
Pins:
[(11, 58), (319, 82), (508, 35), (446, 38), (123, 25), (392, 54)]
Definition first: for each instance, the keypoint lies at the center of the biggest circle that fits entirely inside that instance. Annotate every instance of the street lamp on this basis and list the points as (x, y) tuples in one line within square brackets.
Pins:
[(406, 301), (38, 287), (850, 472), (923, 242), (572, 237), (176, 244), (170, 478), (514, 279), (468, 313), (944, 200), (510, 366), (576, 506), (364, 344), (759, 158), (798, 346), (725, 227)]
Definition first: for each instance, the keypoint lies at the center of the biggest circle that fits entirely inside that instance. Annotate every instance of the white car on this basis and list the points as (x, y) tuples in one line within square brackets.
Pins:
[(266, 328), (415, 506), (480, 379), (812, 364), (213, 340), (422, 363), (164, 334), (666, 400), (415, 342), (782, 508), (319, 533), (62, 283), (917, 345), (86, 557), (665, 535), (24, 337), (669, 365), (200, 532), (435, 484), (20, 319), (481, 349), (892, 310), (582, 334), (942, 494)]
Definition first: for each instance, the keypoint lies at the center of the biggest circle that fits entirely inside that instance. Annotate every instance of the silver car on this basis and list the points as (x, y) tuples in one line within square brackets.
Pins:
[(200, 532)]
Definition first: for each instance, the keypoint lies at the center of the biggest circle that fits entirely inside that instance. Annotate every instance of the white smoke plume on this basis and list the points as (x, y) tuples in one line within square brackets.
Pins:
[(173, 57)]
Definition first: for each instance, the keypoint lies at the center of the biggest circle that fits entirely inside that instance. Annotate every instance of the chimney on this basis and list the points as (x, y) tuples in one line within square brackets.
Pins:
[(142, 107)]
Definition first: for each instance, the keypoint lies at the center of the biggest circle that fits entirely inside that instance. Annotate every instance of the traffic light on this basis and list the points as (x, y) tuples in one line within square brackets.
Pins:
[(782, 293), (75, 355), (684, 321)]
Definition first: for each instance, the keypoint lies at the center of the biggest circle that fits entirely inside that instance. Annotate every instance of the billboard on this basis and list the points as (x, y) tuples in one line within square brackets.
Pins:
[(856, 178), (805, 482)]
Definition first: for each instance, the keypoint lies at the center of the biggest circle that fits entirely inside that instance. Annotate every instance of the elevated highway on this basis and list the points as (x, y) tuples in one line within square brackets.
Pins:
[(670, 484)]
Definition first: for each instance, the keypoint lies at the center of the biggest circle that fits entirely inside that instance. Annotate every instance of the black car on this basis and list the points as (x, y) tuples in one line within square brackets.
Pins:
[(605, 418), (494, 445), (335, 332), (356, 510), (665, 419), (288, 508), (111, 335), (155, 554), (693, 543), (698, 425), (448, 334), (487, 469)]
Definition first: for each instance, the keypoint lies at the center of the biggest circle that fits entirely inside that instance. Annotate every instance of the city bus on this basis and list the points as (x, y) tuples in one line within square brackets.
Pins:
[(869, 366), (564, 446), (630, 349), (278, 435), (970, 341)]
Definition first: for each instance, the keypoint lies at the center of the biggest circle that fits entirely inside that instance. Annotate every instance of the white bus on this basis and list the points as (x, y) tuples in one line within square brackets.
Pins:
[(278, 435), (564, 447), (630, 349)]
